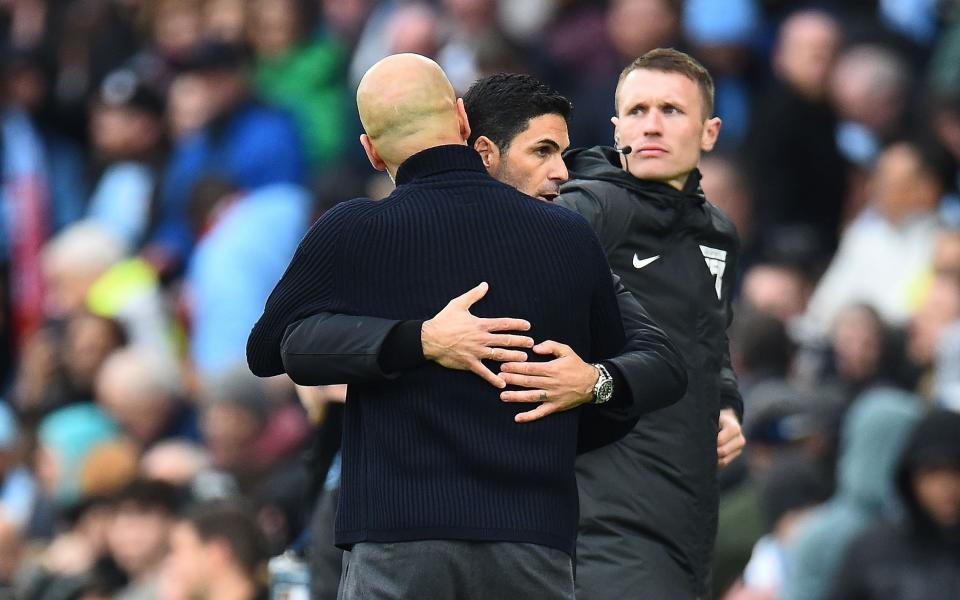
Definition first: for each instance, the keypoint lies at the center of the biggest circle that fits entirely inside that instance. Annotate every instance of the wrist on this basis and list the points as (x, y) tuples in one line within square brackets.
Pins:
[(426, 340), (603, 388), (590, 382)]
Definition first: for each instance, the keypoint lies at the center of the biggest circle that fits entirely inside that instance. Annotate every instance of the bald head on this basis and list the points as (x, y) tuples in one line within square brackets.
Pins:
[(406, 105)]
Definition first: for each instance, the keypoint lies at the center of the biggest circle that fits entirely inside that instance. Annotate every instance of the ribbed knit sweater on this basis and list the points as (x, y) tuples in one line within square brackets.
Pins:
[(435, 454)]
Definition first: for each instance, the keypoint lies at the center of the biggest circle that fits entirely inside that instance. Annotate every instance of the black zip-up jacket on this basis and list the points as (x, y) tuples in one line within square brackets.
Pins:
[(655, 491)]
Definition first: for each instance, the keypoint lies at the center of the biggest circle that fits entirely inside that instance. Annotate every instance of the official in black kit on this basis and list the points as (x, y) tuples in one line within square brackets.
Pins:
[(649, 503)]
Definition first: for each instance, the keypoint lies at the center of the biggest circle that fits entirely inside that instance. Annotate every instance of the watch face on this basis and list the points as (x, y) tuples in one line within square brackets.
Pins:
[(605, 391)]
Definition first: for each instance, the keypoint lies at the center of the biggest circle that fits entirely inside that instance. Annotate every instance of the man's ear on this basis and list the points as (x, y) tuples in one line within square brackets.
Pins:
[(372, 155), (616, 136), (711, 131), (488, 151), (464, 121)]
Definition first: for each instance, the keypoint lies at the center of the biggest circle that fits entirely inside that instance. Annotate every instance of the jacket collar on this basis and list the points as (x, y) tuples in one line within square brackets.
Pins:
[(603, 163)]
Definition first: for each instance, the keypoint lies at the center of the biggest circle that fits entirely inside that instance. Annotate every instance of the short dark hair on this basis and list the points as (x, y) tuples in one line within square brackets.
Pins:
[(500, 106), (235, 525), (147, 495), (670, 60)]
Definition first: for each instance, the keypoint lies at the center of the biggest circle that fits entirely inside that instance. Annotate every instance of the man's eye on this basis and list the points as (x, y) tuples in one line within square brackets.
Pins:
[(543, 152), (670, 110)]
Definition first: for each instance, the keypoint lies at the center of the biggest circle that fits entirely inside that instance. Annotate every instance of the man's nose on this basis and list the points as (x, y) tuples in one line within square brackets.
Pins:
[(652, 123), (558, 170)]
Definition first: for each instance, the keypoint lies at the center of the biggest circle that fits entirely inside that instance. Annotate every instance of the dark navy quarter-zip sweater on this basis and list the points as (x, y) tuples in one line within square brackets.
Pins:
[(434, 453)]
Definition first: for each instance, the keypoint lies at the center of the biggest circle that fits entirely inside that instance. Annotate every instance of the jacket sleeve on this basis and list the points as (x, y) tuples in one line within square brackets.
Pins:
[(604, 424), (729, 389), (329, 348), (650, 365)]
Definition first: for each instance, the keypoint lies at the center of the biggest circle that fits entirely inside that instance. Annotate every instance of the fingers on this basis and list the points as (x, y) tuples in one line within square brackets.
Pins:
[(727, 435), (537, 413), (507, 324), (537, 369), (555, 348), (729, 451), (510, 341), (522, 396), (503, 355), (480, 369), (469, 298), (526, 381)]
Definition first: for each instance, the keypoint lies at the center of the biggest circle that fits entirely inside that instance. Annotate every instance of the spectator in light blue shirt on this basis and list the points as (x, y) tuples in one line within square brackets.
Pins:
[(247, 241)]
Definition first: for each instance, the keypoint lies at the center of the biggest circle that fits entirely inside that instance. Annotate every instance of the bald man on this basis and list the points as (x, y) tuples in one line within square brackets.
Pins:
[(444, 493)]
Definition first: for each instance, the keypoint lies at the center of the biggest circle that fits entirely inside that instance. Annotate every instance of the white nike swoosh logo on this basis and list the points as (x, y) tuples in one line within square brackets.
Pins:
[(639, 264)]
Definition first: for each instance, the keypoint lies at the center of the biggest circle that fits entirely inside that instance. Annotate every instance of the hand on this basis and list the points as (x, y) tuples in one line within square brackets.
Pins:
[(456, 339), (560, 384), (730, 440)]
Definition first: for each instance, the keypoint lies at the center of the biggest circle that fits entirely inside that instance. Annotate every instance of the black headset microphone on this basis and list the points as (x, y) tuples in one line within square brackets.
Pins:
[(625, 151)]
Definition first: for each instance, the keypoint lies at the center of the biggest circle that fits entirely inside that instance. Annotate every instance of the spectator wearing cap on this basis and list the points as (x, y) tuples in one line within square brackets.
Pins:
[(919, 555), (242, 141), (127, 134)]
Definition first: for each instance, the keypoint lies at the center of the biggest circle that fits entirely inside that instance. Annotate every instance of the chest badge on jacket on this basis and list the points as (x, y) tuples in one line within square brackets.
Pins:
[(717, 263)]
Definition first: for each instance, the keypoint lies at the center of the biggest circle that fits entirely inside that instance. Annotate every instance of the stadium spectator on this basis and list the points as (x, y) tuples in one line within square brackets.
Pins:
[(875, 431), (917, 556), (217, 552)]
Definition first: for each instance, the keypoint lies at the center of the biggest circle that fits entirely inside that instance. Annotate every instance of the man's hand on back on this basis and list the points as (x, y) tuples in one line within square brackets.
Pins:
[(456, 339), (559, 384)]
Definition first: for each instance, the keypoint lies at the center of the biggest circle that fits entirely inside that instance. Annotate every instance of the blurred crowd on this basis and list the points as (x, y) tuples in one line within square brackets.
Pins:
[(160, 160)]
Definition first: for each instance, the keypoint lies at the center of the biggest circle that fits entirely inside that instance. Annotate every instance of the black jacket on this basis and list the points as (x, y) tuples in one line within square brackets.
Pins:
[(336, 348), (678, 254)]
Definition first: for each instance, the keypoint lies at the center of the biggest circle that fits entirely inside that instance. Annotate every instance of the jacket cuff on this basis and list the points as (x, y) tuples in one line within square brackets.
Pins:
[(622, 398), (402, 349)]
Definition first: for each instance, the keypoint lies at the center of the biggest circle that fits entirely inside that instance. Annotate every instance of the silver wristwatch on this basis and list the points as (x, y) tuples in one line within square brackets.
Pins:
[(603, 389)]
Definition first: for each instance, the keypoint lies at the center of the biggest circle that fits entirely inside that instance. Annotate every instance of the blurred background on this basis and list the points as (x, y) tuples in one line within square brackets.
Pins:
[(160, 160)]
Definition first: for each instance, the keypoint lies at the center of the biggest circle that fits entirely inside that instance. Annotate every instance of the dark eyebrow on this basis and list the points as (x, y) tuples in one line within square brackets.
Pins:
[(549, 142)]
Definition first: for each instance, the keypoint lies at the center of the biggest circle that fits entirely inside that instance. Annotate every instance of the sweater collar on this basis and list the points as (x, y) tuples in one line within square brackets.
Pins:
[(454, 157)]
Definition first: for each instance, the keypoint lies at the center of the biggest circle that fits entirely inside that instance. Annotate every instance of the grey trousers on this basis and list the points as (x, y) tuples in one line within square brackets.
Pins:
[(455, 570)]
